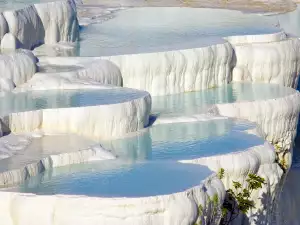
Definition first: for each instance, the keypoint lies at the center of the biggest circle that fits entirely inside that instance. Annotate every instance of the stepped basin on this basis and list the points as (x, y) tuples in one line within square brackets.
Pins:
[(117, 179), (182, 141), (42, 147), (198, 102), (50, 99), (140, 30), (99, 113)]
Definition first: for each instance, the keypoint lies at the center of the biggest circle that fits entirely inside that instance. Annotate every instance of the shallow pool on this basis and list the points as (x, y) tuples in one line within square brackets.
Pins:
[(197, 102), (34, 100), (179, 141), (139, 30), (117, 179)]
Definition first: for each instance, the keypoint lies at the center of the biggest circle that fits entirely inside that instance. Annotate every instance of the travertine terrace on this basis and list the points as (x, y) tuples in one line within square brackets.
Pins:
[(169, 100)]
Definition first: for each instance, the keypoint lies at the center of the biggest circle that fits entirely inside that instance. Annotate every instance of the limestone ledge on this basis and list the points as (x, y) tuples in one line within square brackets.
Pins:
[(38, 24), (91, 75), (18, 175), (97, 122), (174, 209), (163, 73), (278, 119), (273, 62), (269, 58), (252, 39), (16, 68), (258, 160)]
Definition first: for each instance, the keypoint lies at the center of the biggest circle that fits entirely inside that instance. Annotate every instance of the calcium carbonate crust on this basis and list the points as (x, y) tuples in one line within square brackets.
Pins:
[(159, 73), (16, 68), (269, 58), (97, 122), (164, 73), (19, 175), (38, 24), (272, 62), (260, 160), (175, 209), (97, 74), (278, 119)]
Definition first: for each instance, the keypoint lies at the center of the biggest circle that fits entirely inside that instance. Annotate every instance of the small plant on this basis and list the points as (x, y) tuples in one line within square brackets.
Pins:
[(238, 200), (214, 202), (221, 173)]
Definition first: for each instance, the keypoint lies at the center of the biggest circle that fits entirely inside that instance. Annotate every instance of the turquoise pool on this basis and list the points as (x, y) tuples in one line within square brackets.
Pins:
[(179, 141), (197, 102), (34, 100), (117, 179), (140, 30)]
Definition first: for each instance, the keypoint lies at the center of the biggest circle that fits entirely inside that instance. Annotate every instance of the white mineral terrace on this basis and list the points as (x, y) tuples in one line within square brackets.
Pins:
[(123, 112)]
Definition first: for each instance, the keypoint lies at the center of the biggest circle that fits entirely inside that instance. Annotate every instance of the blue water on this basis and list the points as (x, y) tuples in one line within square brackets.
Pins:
[(34, 100), (151, 150), (196, 102), (139, 30), (178, 141), (117, 179)]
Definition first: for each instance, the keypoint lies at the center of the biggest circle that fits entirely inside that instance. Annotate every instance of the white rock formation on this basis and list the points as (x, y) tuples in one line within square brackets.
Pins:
[(170, 72), (94, 74), (59, 21), (278, 118), (33, 25), (16, 68), (268, 58), (102, 121), (30, 155), (259, 160), (175, 209), (274, 62), (9, 41), (164, 73)]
